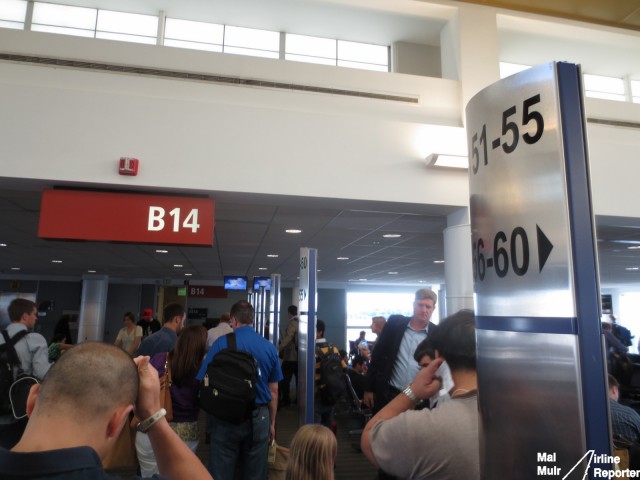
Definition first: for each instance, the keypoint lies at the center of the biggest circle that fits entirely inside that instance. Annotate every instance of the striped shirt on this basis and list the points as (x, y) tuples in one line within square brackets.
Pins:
[(625, 421)]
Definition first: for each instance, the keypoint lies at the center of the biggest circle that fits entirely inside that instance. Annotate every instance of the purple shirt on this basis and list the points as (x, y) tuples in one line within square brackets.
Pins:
[(184, 398)]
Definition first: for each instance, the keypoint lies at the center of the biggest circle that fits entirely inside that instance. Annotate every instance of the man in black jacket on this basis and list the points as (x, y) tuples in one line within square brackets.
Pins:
[(392, 365)]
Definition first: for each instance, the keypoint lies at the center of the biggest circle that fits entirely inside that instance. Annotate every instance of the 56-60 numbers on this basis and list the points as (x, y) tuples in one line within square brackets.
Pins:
[(506, 254)]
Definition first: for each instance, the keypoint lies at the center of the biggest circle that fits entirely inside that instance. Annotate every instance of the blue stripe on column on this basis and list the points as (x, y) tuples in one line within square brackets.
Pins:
[(566, 325)]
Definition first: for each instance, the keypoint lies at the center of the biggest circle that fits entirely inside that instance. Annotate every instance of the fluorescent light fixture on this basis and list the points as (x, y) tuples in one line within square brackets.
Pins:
[(3, 244), (272, 255), (293, 230), (632, 268), (15, 268), (634, 247), (91, 271), (188, 274), (392, 273), (56, 261), (342, 258), (438, 261), (262, 268), (177, 265), (391, 235), (162, 251), (447, 161)]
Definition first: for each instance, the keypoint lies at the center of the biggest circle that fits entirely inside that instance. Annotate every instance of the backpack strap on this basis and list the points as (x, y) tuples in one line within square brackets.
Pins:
[(11, 351), (231, 341)]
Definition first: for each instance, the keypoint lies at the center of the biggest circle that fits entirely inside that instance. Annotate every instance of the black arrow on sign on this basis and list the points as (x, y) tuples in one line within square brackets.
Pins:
[(544, 248)]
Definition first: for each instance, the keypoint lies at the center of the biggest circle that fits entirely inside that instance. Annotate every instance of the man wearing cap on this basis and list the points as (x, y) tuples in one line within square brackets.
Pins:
[(164, 339), (392, 364), (149, 324)]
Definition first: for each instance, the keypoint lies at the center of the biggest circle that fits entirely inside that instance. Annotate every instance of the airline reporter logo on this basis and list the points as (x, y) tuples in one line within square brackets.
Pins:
[(546, 467)]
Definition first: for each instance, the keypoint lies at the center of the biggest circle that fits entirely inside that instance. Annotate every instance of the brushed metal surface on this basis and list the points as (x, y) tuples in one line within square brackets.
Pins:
[(530, 403), (519, 194)]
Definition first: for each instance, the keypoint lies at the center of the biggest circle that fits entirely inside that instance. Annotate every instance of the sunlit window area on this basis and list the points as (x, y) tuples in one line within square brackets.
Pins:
[(327, 51), (627, 314), (608, 88), (303, 48), (64, 19), (193, 35), (362, 306), (251, 41), (364, 56), (127, 27), (635, 90), (12, 14)]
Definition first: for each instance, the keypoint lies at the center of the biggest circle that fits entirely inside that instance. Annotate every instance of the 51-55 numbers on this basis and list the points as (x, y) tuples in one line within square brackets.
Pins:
[(510, 133)]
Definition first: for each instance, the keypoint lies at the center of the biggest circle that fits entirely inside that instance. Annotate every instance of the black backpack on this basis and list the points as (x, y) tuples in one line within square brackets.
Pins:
[(332, 385), (228, 390), (9, 362)]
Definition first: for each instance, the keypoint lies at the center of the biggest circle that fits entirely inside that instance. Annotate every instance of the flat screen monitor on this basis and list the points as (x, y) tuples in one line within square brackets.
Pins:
[(235, 282), (261, 282)]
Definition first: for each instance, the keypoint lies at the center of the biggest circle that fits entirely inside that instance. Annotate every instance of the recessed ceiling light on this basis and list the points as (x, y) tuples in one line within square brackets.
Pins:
[(342, 258), (262, 268), (162, 251), (438, 261), (178, 265), (15, 268), (188, 274), (391, 235), (56, 261), (632, 268), (392, 273), (272, 255), (91, 271), (293, 230)]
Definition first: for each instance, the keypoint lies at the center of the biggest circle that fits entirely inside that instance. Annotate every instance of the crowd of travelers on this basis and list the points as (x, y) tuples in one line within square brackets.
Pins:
[(417, 379)]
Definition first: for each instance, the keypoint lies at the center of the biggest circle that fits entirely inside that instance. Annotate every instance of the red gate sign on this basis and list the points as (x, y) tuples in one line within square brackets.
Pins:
[(126, 217)]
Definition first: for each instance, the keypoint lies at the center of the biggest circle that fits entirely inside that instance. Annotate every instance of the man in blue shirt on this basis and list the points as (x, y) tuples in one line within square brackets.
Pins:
[(165, 339), (248, 442)]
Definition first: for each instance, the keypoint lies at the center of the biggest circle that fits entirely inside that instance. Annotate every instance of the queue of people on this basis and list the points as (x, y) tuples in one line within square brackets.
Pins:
[(420, 382)]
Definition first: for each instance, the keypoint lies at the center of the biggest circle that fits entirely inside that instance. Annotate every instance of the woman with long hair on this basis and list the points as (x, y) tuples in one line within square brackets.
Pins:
[(312, 455), (184, 362)]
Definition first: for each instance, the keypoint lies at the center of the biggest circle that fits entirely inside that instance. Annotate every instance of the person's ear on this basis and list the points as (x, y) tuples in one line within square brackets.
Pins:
[(32, 398), (117, 420)]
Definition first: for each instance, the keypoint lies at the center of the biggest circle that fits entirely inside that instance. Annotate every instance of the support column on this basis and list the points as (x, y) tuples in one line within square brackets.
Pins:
[(470, 50), (458, 267), (93, 308)]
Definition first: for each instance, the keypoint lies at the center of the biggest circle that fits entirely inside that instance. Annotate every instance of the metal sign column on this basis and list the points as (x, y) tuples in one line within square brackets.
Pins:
[(307, 334), (274, 310), (541, 366)]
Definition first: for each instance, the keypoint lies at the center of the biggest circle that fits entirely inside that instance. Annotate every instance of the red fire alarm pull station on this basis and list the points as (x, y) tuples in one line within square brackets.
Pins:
[(128, 166)]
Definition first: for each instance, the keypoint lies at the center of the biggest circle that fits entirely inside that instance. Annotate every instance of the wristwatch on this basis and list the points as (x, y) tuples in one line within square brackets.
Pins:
[(147, 423)]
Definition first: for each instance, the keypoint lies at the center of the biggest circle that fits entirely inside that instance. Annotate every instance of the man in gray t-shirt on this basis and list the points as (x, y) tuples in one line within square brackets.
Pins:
[(436, 444)]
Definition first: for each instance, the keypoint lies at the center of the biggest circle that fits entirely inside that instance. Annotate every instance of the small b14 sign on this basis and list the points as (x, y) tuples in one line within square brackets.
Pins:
[(126, 217)]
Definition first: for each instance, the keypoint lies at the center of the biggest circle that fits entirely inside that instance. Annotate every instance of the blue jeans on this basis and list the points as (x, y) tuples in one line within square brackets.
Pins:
[(247, 442), (323, 413)]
